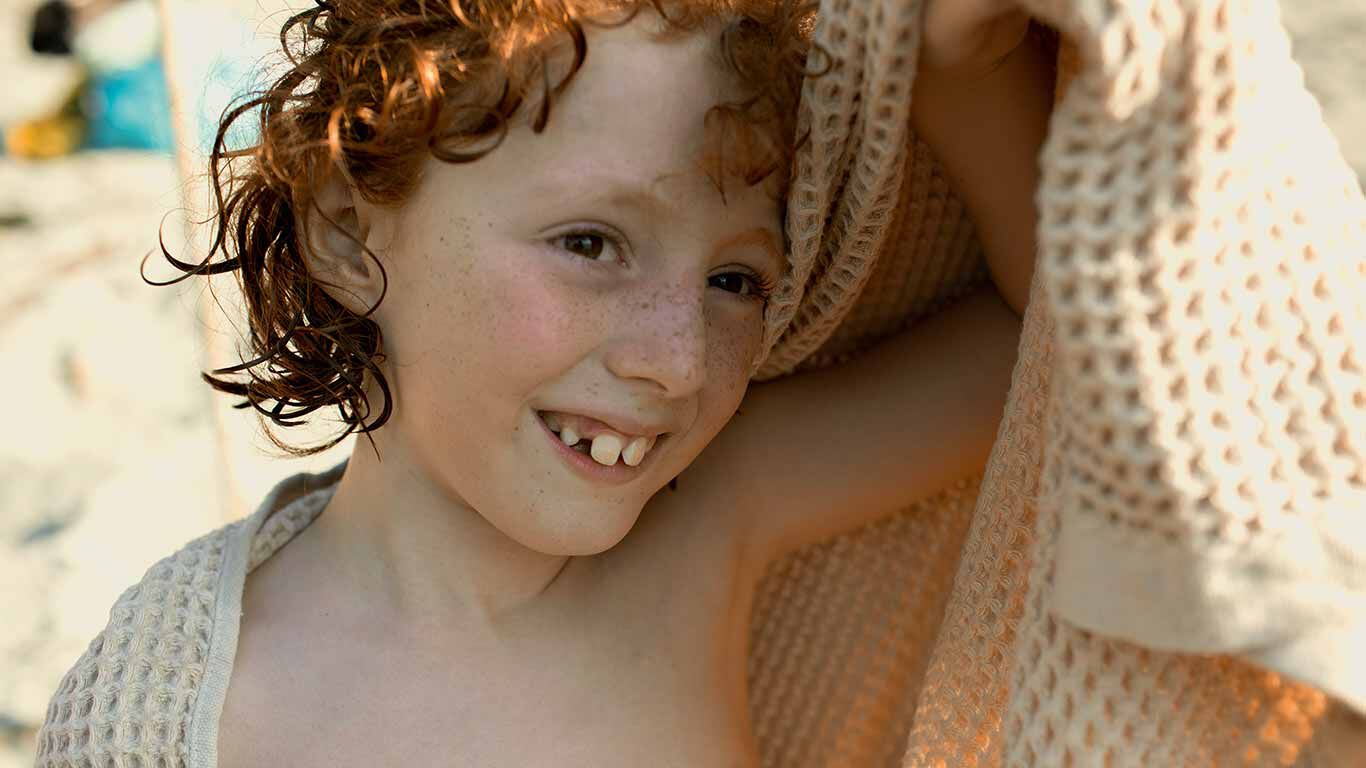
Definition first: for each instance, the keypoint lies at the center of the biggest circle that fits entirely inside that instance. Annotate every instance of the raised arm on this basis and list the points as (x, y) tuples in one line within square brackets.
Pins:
[(820, 453), (984, 111)]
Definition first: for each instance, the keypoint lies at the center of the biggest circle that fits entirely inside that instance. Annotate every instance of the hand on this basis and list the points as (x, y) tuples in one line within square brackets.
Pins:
[(968, 38)]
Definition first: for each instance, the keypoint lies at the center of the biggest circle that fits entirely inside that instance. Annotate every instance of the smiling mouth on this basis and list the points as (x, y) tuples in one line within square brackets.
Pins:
[(608, 449)]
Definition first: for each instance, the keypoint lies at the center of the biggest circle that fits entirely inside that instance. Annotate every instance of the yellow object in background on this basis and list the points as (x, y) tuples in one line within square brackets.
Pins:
[(53, 135), (45, 137)]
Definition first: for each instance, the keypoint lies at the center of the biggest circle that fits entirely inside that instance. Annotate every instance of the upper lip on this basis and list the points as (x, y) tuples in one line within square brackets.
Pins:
[(622, 424)]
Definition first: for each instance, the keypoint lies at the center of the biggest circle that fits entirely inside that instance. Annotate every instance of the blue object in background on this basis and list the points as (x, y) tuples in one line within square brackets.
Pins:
[(233, 76), (129, 108), (229, 63)]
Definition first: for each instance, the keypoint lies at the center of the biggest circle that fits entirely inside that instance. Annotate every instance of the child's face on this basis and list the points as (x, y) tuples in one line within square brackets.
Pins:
[(494, 312)]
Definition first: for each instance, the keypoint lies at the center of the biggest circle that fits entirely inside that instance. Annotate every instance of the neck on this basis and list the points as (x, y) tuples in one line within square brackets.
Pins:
[(404, 540)]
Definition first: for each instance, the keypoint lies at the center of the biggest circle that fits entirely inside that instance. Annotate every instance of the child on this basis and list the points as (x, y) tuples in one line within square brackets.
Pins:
[(529, 261)]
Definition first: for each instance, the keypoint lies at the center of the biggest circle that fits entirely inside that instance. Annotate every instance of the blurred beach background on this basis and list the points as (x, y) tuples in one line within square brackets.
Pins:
[(114, 453)]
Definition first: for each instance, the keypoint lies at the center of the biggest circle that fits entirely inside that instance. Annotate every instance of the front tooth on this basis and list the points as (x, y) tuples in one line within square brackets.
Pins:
[(606, 449), (635, 451), (568, 436)]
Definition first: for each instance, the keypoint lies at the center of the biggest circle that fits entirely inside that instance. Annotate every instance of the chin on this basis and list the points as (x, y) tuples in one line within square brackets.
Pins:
[(577, 530)]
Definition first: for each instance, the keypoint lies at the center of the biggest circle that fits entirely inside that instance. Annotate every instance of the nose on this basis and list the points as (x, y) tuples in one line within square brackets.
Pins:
[(662, 337)]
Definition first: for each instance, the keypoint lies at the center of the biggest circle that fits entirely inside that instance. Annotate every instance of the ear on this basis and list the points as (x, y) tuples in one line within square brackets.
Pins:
[(335, 251)]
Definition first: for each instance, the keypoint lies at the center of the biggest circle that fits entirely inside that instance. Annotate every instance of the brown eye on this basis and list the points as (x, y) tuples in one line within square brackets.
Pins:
[(736, 281), (585, 244), (760, 288)]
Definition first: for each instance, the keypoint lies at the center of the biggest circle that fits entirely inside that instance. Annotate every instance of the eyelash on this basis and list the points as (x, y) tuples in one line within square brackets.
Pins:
[(763, 287)]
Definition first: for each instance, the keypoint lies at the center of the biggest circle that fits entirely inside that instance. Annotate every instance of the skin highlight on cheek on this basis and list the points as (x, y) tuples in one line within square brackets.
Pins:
[(536, 316)]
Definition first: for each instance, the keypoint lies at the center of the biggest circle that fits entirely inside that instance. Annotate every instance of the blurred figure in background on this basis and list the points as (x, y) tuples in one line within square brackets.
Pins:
[(120, 101), (52, 28)]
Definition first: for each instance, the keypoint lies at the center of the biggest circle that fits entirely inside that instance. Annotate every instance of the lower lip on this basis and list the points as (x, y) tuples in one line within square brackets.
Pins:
[(586, 466)]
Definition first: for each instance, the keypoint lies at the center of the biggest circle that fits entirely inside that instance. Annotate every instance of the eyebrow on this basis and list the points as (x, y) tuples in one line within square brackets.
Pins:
[(763, 237), (619, 191), (629, 193)]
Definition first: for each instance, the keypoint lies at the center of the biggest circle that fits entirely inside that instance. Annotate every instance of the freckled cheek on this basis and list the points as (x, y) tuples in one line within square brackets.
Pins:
[(537, 320), (734, 343)]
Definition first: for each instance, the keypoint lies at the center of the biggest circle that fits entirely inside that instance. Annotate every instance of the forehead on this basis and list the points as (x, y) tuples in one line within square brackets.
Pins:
[(635, 67), (636, 108)]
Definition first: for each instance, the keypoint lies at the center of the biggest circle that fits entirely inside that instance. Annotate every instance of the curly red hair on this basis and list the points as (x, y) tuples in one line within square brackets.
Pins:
[(373, 87)]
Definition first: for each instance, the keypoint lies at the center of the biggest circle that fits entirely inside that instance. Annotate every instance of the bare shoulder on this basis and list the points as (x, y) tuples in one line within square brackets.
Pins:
[(297, 661), (308, 669), (259, 658)]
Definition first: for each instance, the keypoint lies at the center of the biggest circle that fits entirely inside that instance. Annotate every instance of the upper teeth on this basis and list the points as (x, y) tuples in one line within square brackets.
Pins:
[(606, 447)]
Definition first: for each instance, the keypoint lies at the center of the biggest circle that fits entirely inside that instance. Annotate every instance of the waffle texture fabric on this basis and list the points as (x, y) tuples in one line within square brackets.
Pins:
[(1165, 563), (150, 688), (1164, 560)]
